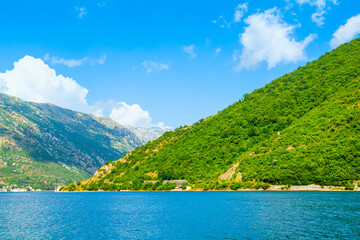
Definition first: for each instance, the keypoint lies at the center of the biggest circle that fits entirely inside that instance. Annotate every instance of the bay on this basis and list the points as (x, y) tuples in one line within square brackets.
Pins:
[(180, 215)]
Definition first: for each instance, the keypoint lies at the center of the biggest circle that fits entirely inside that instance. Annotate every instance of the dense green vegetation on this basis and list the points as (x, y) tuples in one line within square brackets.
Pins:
[(22, 171), (302, 128), (133, 186), (44, 146)]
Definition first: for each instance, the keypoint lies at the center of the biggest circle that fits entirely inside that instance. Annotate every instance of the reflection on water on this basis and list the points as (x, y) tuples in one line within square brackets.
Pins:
[(180, 215)]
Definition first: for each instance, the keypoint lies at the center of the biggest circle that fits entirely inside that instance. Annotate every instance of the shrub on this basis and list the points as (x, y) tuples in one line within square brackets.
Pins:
[(184, 186), (147, 186), (349, 186), (167, 186), (266, 186), (71, 187), (235, 186)]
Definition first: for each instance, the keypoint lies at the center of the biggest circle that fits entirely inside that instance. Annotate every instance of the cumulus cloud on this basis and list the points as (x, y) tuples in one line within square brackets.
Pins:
[(190, 50), (33, 80), (126, 114), (132, 115), (268, 38), (82, 11), (240, 10), (318, 16), (346, 32), (152, 67), (218, 50), (74, 62)]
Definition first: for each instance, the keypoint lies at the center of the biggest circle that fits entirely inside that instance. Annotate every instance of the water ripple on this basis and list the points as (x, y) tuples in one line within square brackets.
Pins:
[(180, 215)]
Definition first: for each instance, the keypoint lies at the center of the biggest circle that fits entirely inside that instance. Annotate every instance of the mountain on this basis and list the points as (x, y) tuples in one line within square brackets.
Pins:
[(302, 128), (147, 134), (43, 145), (143, 134)]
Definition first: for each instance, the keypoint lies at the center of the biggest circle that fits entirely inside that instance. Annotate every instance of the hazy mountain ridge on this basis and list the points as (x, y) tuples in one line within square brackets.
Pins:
[(147, 134)]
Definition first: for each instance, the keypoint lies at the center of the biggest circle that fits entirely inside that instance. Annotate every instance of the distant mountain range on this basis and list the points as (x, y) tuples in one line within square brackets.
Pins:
[(43, 145), (302, 128)]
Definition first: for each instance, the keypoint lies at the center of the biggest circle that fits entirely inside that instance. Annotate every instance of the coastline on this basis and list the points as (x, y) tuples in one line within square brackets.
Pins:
[(273, 188)]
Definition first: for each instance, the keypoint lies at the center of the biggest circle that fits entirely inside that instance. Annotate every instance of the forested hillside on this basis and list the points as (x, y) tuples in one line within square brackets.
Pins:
[(302, 128)]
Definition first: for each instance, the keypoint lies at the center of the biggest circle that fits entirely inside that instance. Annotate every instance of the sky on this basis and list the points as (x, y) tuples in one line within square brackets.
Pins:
[(161, 63)]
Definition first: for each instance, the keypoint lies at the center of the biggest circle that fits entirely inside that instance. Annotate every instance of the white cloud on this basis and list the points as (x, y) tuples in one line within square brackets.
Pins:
[(68, 62), (33, 80), (317, 3), (100, 60), (218, 50), (152, 66), (125, 114), (268, 38), (132, 115), (223, 23), (74, 62), (190, 50), (288, 5), (240, 10), (82, 11), (346, 32), (318, 16)]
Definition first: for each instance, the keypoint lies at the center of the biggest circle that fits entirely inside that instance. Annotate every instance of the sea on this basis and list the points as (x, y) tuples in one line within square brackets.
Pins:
[(180, 215)]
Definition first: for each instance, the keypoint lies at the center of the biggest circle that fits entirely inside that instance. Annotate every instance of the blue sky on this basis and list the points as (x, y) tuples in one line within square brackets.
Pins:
[(175, 62)]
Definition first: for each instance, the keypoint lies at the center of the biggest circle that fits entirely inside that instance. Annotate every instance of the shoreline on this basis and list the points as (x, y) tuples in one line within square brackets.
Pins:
[(273, 188)]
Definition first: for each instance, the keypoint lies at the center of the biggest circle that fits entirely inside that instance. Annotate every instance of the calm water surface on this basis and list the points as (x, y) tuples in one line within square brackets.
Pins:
[(180, 215)]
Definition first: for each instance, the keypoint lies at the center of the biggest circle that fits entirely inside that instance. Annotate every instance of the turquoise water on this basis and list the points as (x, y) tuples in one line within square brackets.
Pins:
[(180, 215)]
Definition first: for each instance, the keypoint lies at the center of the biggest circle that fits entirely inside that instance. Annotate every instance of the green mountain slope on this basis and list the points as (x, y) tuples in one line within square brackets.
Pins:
[(42, 145), (302, 128)]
